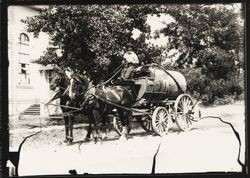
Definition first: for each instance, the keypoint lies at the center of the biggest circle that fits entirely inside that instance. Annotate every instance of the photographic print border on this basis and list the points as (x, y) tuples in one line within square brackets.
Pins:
[(4, 81)]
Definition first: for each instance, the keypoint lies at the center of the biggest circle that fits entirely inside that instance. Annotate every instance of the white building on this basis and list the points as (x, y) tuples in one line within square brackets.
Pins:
[(28, 82)]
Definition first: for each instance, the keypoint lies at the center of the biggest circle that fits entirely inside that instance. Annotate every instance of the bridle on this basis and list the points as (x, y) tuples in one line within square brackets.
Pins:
[(61, 89), (86, 94)]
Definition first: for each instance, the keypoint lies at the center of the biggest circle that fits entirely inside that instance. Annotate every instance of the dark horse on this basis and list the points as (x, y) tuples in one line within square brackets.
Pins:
[(60, 83), (101, 101)]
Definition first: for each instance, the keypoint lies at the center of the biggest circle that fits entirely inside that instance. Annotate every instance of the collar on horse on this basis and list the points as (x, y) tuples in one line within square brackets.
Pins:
[(87, 95)]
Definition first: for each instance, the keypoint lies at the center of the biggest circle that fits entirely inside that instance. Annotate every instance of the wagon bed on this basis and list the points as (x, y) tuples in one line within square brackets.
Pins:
[(160, 99)]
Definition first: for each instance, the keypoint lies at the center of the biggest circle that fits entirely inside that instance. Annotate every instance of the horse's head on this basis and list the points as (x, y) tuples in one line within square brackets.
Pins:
[(78, 86), (59, 79)]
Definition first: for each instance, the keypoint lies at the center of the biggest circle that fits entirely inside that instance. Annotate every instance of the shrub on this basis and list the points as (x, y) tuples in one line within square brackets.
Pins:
[(227, 99), (209, 91)]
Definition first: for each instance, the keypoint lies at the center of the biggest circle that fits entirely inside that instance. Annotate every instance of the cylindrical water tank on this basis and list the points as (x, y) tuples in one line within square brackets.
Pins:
[(156, 80)]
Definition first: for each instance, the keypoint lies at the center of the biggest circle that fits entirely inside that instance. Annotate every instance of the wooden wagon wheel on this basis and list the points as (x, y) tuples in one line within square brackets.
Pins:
[(146, 123), (184, 112), (118, 125), (160, 120)]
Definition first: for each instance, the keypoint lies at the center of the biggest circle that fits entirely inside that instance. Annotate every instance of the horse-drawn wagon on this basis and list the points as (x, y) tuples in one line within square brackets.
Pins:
[(152, 95), (160, 99)]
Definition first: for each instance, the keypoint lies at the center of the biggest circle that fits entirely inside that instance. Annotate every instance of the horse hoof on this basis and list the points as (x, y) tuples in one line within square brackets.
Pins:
[(104, 136), (123, 138), (70, 140), (69, 143), (87, 139), (96, 140), (65, 141)]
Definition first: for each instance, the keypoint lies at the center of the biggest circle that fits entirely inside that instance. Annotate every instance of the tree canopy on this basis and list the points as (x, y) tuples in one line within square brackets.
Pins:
[(200, 30), (91, 36), (210, 45), (207, 38)]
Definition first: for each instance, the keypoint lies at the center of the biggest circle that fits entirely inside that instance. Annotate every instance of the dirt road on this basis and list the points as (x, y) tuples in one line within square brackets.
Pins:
[(210, 146)]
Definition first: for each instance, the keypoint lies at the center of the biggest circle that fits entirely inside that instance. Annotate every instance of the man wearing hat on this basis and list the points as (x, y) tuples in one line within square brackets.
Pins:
[(131, 62)]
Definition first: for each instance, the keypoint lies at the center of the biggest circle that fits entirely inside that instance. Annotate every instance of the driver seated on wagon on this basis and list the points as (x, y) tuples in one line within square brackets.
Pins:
[(131, 61)]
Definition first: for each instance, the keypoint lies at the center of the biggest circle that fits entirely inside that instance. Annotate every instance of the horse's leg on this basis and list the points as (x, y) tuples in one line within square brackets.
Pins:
[(124, 117), (66, 120), (105, 125), (95, 118), (66, 123), (70, 124), (88, 136)]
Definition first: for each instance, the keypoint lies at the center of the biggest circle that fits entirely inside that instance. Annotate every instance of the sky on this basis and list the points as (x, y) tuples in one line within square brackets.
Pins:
[(156, 23)]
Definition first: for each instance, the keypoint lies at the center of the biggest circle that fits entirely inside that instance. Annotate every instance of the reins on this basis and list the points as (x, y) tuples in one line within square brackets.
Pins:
[(120, 106), (118, 69), (69, 107), (105, 101)]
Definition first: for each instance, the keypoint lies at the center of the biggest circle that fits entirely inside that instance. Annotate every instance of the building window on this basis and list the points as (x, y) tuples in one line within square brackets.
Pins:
[(24, 39), (24, 73), (24, 54)]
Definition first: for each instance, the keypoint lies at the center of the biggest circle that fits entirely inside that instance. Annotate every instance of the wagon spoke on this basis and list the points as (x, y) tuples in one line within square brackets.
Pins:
[(160, 114), (162, 125), (163, 128), (159, 128), (164, 115), (190, 121), (148, 125), (157, 117), (189, 105), (159, 120), (187, 120), (157, 123), (191, 118), (184, 122), (185, 101), (183, 105), (165, 124), (180, 108)]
